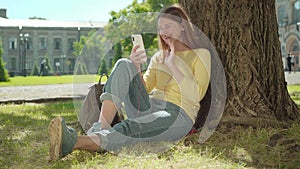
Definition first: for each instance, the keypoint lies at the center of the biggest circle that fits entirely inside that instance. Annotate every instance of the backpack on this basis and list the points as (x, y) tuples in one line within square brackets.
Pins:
[(90, 110)]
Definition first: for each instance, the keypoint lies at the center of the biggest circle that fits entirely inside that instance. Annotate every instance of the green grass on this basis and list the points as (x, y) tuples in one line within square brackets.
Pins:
[(294, 91), (43, 80), (24, 144)]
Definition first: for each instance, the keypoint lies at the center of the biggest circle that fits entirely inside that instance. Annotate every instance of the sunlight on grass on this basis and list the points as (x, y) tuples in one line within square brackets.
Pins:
[(24, 144), (294, 91), (44, 80)]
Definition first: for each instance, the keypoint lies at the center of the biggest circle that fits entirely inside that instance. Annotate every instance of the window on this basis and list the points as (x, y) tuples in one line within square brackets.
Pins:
[(296, 13), (281, 15), (70, 44), (42, 43), (57, 43), (13, 63), (12, 43), (71, 62), (29, 43), (295, 47)]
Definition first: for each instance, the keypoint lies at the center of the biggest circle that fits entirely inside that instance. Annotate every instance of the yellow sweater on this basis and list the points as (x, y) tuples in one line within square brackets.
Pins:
[(195, 66)]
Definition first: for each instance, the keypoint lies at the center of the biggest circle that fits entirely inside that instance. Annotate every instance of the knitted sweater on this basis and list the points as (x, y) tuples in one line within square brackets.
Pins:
[(195, 66)]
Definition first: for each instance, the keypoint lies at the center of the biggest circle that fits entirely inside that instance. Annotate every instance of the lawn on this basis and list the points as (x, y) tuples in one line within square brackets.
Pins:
[(24, 144), (43, 80)]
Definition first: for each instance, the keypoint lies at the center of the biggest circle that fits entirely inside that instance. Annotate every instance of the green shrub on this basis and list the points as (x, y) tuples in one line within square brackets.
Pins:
[(35, 71), (4, 77)]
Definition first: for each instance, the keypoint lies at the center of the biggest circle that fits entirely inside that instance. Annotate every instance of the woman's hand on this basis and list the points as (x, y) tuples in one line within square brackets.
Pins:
[(137, 57), (170, 62), (170, 56)]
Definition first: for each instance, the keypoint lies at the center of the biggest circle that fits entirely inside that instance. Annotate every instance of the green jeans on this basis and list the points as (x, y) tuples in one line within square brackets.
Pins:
[(149, 119)]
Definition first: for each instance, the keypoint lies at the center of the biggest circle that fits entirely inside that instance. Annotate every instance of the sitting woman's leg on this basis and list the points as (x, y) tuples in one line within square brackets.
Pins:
[(123, 86), (107, 113), (89, 143)]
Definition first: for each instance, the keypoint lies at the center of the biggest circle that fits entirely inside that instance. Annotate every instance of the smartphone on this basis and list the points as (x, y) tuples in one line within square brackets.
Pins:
[(137, 39)]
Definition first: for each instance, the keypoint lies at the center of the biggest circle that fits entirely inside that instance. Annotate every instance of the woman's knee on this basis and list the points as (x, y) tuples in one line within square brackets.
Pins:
[(123, 63)]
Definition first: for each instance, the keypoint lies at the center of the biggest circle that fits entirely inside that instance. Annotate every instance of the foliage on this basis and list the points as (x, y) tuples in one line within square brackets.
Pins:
[(34, 71), (78, 46), (103, 68), (48, 68), (117, 49), (132, 20), (91, 49), (116, 41), (80, 69), (3, 72), (37, 18), (137, 18), (158, 5)]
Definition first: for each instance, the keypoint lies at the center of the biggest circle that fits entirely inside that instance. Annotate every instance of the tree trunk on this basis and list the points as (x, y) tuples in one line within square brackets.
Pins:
[(245, 35)]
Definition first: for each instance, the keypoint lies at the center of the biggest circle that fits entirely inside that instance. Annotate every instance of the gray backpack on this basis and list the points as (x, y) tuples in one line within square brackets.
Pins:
[(90, 110)]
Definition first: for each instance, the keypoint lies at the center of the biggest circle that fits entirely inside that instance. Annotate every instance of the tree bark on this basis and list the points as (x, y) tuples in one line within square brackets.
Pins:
[(245, 35)]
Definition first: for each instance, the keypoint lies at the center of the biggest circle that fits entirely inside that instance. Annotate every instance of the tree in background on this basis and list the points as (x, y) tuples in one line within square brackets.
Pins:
[(117, 50), (3, 72), (48, 68), (103, 68), (135, 18), (116, 41), (90, 50), (80, 69), (245, 34), (34, 71)]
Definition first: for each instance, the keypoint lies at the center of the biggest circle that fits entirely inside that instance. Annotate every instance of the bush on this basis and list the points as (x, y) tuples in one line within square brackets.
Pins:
[(35, 71), (4, 77), (103, 68)]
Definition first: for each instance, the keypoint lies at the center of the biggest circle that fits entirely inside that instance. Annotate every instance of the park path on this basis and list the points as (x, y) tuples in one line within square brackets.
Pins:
[(44, 93)]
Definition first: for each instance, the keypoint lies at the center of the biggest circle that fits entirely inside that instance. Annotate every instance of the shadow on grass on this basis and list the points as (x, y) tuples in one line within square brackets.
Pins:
[(259, 148), (24, 141), (24, 134)]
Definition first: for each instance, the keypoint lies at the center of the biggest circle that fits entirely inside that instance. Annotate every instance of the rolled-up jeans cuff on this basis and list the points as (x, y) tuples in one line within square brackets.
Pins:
[(114, 99), (96, 127), (103, 137), (96, 130)]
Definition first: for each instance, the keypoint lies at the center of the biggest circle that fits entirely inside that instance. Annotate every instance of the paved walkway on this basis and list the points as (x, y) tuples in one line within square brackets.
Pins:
[(44, 93), (292, 78)]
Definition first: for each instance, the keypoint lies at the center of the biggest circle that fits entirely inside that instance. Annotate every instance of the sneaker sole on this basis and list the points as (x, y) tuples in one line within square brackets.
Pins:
[(55, 135)]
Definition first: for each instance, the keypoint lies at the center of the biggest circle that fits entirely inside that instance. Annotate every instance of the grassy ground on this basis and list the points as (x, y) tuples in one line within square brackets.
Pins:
[(24, 144), (294, 91), (43, 80)]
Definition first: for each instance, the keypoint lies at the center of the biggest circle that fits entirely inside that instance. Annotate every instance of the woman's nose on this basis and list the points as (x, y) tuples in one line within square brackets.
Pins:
[(163, 31)]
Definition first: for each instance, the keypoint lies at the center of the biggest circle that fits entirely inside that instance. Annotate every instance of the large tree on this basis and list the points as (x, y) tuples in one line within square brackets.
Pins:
[(245, 34)]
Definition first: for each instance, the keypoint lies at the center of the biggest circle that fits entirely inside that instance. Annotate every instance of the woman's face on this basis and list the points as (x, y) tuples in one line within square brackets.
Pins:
[(169, 29)]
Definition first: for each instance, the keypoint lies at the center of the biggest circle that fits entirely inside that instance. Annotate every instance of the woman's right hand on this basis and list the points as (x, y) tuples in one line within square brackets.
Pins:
[(136, 57)]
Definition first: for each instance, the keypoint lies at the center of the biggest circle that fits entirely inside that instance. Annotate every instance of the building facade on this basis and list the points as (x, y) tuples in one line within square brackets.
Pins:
[(288, 17), (26, 43)]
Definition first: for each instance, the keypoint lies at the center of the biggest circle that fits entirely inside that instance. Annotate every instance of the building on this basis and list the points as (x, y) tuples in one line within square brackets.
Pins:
[(28, 42), (288, 17)]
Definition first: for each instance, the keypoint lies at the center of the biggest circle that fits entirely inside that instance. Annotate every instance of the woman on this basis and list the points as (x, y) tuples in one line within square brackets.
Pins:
[(161, 105)]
